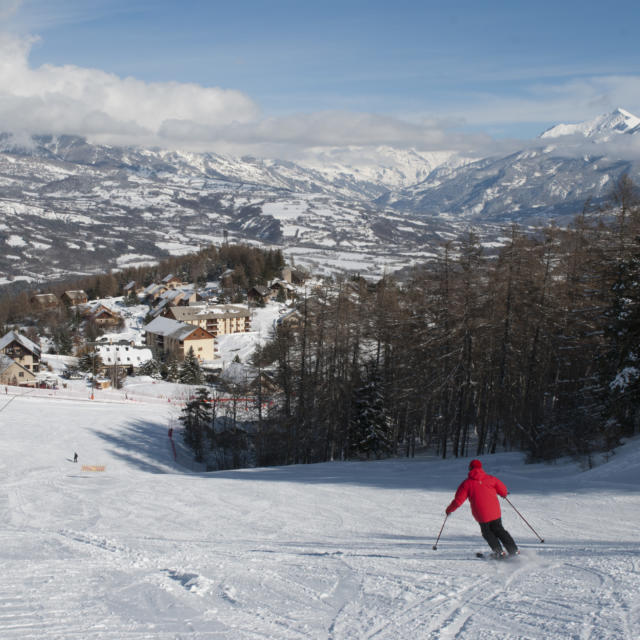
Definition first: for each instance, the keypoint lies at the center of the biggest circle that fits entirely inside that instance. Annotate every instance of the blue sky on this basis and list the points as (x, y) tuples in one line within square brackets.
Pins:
[(463, 72)]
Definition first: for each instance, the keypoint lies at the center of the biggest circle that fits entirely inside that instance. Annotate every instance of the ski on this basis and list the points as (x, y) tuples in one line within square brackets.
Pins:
[(490, 556)]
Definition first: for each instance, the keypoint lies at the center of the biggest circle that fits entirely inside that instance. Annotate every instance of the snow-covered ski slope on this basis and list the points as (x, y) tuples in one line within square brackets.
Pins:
[(147, 549)]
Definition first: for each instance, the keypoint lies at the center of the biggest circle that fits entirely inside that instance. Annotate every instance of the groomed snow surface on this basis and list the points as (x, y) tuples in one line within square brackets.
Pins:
[(149, 549)]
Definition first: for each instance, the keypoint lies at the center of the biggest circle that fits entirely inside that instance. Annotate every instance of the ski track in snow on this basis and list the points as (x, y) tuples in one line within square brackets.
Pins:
[(335, 551)]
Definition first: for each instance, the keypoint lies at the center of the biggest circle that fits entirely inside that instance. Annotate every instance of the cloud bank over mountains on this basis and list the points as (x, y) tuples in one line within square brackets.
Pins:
[(66, 99), (108, 109)]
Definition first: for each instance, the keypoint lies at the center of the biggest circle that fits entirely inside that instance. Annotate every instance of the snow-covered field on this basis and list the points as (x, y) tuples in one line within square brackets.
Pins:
[(148, 549)]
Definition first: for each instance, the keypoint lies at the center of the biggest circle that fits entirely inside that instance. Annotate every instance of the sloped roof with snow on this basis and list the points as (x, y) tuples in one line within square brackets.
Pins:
[(170, 328), (12, 336), (261, 290), (5, 362), (76, 294), (162, 326), (153, 288)]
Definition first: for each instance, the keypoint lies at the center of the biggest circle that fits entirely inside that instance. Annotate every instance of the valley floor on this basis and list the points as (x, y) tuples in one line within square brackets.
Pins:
[(149, 549)]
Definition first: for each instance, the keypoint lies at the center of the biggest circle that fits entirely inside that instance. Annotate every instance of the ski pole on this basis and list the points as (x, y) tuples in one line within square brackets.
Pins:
[(435, 546), (524, 519)]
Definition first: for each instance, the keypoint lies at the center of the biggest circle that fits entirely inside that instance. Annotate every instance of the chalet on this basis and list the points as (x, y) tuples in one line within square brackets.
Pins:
[(153, 292), (171, 281), (21, 350), (131, 288), (179, 297), (172, 297), (105, 317), (219, 319), (13, 373), (74, 298), (290, 319), (259, 294), (169, 338), (45, 301), (281, 287)]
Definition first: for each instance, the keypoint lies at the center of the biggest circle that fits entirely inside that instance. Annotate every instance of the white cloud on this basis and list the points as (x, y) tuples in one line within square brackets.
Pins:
[(288, 135), (109, 109), (71, 99)]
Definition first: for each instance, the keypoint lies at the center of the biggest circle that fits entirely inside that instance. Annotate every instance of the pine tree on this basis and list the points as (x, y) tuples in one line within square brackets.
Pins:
[(170, 371), (131, 299), (190, 371), (151, 368), (196, 420), (370, 425), (63, 341), (90, 362)]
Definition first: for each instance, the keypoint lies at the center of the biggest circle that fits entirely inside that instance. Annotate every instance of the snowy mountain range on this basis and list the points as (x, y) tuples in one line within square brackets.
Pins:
[(69, 206)]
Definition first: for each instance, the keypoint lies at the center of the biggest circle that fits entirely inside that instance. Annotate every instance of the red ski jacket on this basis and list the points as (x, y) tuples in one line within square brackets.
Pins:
[(482, 491)]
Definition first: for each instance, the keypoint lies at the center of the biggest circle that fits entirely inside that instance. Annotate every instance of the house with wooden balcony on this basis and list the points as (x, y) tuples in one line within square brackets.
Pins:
[(44, 301), (75, 297), (21, 350)]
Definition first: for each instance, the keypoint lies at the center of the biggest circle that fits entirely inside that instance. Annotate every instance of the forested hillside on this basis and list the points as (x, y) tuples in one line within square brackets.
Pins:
[(535, 350)]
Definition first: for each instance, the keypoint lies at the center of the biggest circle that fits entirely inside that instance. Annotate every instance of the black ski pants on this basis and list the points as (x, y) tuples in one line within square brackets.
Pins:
[(494, 533)]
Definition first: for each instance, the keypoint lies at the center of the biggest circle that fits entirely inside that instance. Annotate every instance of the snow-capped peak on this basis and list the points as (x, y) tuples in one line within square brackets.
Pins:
[(619, 121)]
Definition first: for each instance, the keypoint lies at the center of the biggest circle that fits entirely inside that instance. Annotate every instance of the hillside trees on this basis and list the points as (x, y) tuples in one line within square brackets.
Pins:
[(534, 349)]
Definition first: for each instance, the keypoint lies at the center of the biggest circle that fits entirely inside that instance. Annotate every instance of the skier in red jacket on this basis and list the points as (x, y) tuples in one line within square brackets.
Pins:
[(483, 491)]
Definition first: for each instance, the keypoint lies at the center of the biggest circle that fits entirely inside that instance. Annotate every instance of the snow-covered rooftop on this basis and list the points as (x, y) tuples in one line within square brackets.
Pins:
[(12, 336), (123, 354)]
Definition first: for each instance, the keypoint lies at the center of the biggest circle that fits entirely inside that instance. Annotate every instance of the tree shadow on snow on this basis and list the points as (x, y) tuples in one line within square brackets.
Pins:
[(436, 475), (143, 445), (383, 474)]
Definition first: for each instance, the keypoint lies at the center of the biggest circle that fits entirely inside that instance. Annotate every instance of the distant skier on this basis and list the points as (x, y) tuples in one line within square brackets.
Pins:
[(75, 457), (483, 491)]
